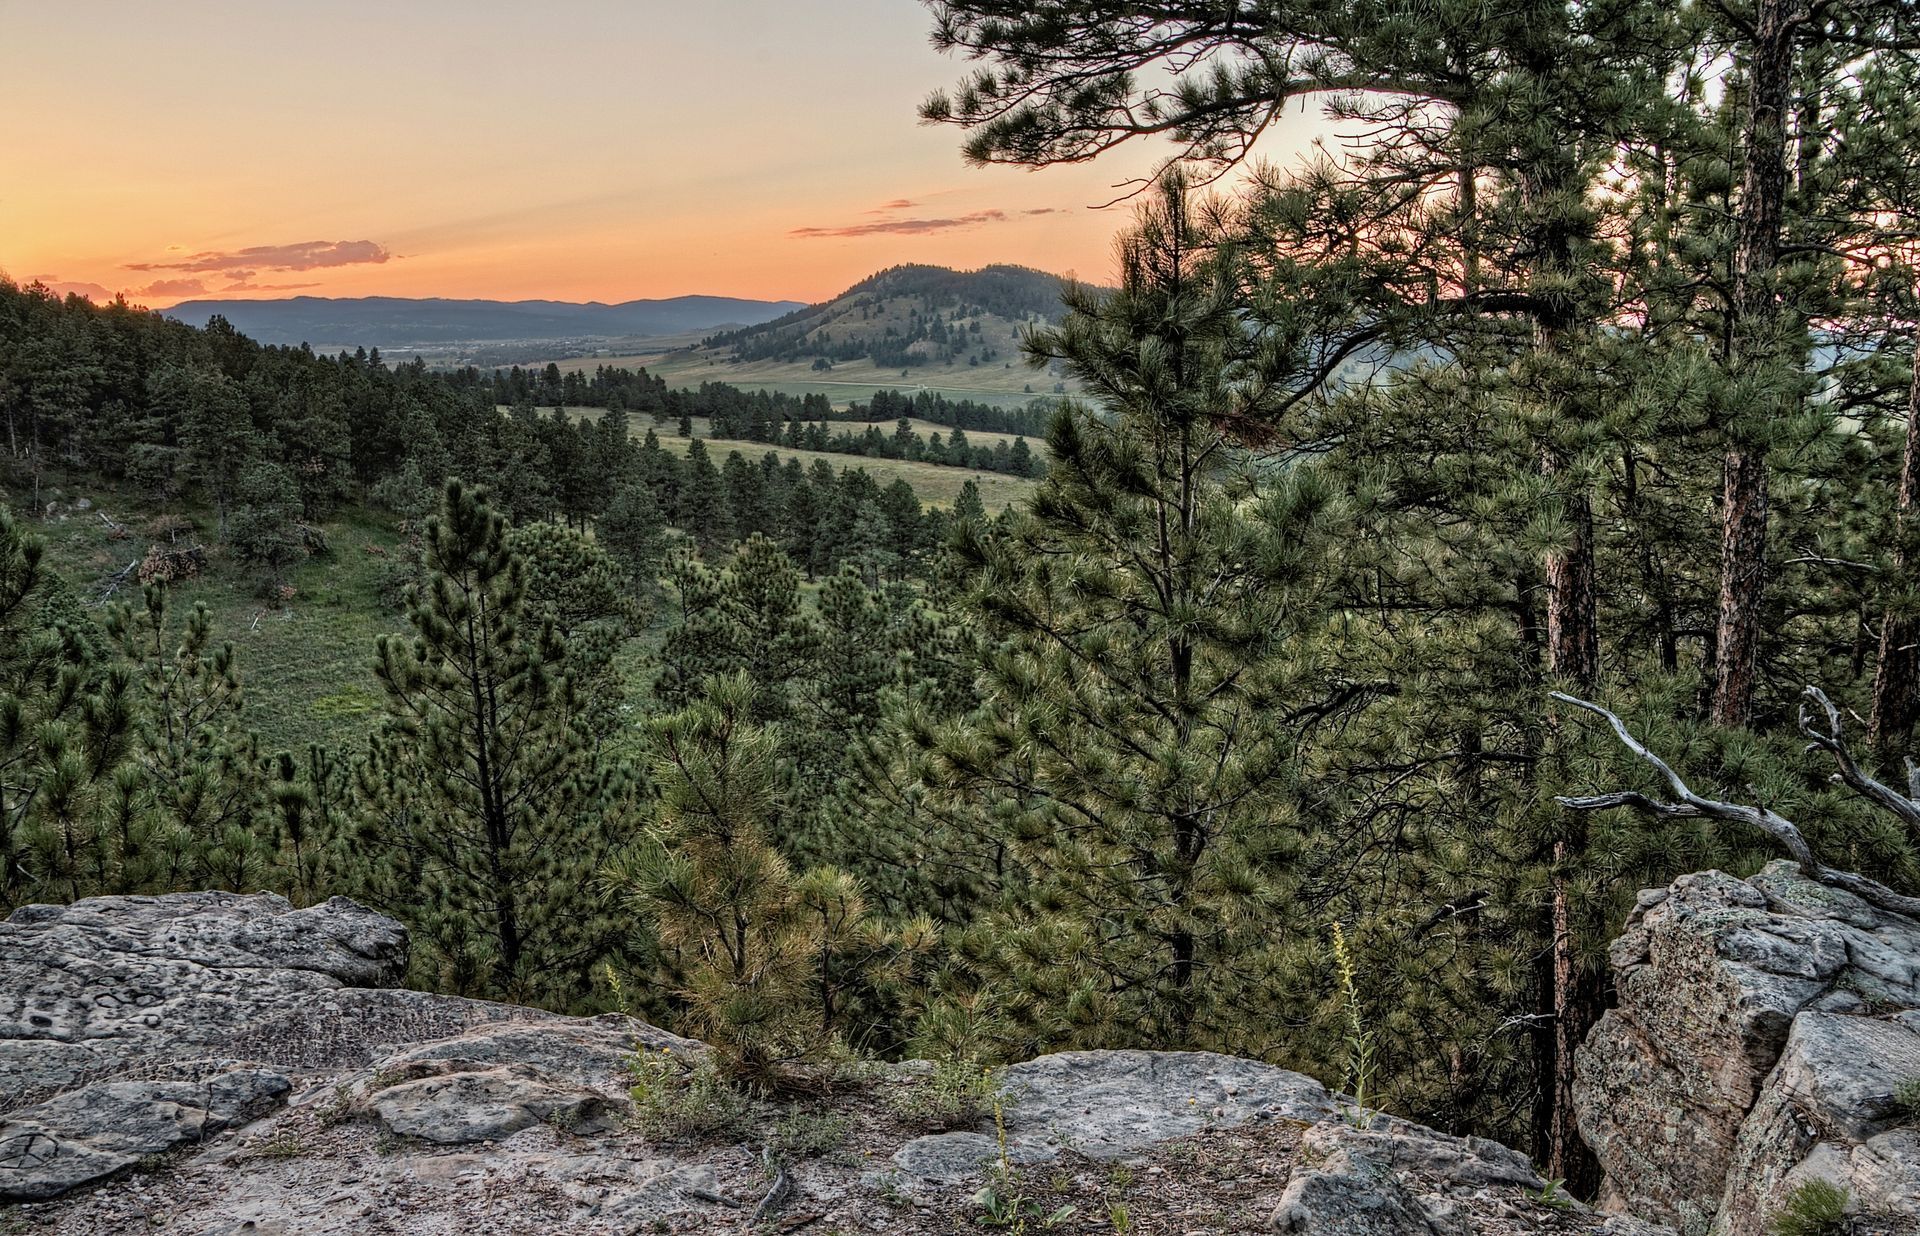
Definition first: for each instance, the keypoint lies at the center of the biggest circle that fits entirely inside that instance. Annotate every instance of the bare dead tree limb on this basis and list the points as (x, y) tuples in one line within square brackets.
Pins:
[(113, 582), (1688, 805), (1833, 741)]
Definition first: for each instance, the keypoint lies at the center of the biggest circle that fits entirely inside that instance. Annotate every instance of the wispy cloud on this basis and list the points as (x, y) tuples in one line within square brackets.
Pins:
[(910, 226), (171, 287), (306, 255)]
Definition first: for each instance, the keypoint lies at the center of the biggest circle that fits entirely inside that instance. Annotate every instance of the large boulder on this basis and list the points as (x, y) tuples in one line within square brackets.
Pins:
[(1113, 1104), (1764, 1030), (135, 1026), (109, 983)]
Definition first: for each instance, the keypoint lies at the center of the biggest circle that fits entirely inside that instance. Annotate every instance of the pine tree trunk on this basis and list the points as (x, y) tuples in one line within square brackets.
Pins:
[(1573, 656), (1573, 635), (1743, 569), (1753, 340), (1894, 688)]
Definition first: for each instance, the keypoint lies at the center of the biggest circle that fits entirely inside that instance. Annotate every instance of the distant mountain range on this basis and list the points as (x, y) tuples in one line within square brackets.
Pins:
[(392, 322)]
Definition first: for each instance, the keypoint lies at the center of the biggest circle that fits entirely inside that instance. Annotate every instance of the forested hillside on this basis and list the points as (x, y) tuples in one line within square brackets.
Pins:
[(906, 316)]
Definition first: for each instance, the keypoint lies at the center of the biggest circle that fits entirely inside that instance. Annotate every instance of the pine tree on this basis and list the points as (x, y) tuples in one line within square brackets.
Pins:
[(305, 797), (200, 767), (704, 513), (800, 528), (762, 959), (65, 724), (747, 500), (634, 533), (1141, 745), (748, 617), (855, 659), (968, 509), (265, 527), (217, 432), (480, 802)]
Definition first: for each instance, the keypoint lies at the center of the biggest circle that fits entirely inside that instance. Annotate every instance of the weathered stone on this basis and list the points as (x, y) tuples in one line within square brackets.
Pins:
[(453, 1101), (1762, 1028), (1828, 1110), (1383, 1176), (91, 989), (588, 1052), (948, 1158), (438, 1116), (93, 1132), (1340, 1189), (1112, 1104)]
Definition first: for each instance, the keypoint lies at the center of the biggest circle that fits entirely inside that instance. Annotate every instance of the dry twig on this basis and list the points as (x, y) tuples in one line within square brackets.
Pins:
[(1688, 805)]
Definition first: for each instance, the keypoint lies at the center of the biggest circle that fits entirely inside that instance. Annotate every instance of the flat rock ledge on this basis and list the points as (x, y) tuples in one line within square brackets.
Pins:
[(225, 1064), (1764, 1033)]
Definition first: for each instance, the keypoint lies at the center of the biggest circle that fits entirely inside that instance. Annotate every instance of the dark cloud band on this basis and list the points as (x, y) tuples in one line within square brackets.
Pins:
[(909, 227), (306, 255)]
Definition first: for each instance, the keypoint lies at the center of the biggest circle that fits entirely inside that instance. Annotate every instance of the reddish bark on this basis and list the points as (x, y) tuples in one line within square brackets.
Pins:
[(1895, 690)]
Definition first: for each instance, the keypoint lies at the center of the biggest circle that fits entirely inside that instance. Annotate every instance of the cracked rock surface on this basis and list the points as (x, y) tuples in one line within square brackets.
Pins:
[(1763, 1029), (219, 1065)]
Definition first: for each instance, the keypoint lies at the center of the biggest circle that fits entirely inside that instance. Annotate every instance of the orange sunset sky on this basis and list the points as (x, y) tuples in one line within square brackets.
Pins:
[(570, 149)]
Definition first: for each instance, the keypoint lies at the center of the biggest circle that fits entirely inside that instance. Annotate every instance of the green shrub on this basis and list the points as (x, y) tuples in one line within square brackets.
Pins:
[(677, 1102), (1907, 1097), (1816, 1208), (808, 1135), (958, 1095)]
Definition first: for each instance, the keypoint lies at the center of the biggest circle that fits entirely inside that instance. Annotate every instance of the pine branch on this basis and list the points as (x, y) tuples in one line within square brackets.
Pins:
[(1691, 806)]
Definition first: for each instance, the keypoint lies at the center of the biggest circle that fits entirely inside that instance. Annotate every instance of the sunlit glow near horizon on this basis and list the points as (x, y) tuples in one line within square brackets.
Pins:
[(576, 150)]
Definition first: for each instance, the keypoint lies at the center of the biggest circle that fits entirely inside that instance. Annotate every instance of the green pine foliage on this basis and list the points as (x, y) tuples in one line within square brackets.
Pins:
[(1162, 661), (199, 767), (65, 725), (481, 806), (767, 964)]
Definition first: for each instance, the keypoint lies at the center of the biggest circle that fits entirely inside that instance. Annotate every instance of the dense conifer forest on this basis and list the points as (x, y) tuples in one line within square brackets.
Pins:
[(1594, 372)]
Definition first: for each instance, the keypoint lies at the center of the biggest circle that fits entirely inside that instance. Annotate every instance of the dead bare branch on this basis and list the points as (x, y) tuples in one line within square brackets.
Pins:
[(113, 582), (1689, 805), (1833, 742)]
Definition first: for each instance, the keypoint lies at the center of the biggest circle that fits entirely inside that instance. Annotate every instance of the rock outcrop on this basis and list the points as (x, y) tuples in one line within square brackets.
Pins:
[(226, 1064), (1766, 1037)]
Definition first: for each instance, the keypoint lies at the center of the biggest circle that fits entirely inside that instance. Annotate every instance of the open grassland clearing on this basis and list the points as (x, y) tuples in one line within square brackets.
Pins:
[(937, 484), (305, 658)]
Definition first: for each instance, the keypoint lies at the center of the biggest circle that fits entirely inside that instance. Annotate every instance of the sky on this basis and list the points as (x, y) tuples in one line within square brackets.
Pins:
[(569, 149)]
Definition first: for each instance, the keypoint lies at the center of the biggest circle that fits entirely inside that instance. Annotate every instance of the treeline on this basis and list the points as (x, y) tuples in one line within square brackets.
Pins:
[(499, 802), (758, 416), (1029, 421), (793, 421), (627, 390)]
